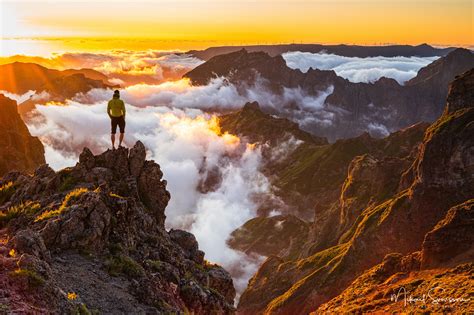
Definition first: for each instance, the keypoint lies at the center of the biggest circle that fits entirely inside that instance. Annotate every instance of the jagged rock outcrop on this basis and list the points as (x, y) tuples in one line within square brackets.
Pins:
[(415, 217), (18, 149), (350, 109), (92, 237)]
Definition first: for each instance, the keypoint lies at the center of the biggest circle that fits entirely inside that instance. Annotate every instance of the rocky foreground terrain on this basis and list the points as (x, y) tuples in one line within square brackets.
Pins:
[(18, 149), (398, 237), (91, 239)]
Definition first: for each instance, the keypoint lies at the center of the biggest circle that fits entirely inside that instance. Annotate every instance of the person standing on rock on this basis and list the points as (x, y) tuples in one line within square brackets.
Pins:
[(116, 111)]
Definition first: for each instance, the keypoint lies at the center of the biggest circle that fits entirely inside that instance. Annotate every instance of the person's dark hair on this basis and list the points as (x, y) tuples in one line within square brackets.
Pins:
[(116, 92)]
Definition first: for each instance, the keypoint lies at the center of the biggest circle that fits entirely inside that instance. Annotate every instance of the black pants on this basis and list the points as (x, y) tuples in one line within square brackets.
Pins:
[(118, 121)]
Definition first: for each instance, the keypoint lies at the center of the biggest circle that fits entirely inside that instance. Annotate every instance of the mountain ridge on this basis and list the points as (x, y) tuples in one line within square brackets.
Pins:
[(422, 50)]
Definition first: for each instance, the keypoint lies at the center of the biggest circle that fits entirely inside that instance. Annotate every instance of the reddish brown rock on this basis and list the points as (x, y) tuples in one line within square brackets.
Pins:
[(452, 239)]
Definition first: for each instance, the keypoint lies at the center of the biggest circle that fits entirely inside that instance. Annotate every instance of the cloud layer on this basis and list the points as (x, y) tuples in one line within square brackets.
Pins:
[(221, 96), (357, 69)]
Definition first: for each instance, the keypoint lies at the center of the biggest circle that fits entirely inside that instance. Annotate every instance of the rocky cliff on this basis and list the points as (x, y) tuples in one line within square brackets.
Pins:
[(382, 238), (353, 108), (18, 149), (91, 238)]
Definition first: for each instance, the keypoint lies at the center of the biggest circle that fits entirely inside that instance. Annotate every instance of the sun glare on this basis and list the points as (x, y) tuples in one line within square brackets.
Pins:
[(199, 127)]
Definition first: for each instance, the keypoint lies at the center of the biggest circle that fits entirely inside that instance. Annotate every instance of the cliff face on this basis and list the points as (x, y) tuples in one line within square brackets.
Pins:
[(399, 234), (18, 149), (92, 237), (353, 107)]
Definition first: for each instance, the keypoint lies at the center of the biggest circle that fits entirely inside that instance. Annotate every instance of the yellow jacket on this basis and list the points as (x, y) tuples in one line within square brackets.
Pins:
[(116, 107)]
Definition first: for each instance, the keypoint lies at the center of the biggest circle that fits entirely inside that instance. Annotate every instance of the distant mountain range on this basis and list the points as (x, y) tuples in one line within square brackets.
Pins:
[(423, 50), (351, 108), (19, 78)]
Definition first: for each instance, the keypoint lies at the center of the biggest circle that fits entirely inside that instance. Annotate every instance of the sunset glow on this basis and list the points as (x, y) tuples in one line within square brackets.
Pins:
[(183, 24)]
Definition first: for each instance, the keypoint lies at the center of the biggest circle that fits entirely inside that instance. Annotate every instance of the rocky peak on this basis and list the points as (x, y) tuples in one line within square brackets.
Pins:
[(239, 66), (459, 53), (112, 207), (253, 106), (445, 68)]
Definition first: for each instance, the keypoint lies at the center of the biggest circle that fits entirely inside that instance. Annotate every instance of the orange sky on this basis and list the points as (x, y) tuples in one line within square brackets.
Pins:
[(206, 23)]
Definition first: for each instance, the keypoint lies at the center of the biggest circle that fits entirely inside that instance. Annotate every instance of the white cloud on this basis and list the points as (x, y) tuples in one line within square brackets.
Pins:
[(124, 67), (179, 94), (378, 129), (26, 96), (357, 69)]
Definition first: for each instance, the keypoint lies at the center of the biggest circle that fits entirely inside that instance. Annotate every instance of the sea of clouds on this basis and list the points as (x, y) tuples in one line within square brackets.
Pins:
[(357, 69), (123, 67)]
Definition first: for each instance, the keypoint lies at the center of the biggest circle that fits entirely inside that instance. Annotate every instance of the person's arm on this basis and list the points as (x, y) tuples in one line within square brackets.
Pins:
[(123, 109), (108, 109)]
